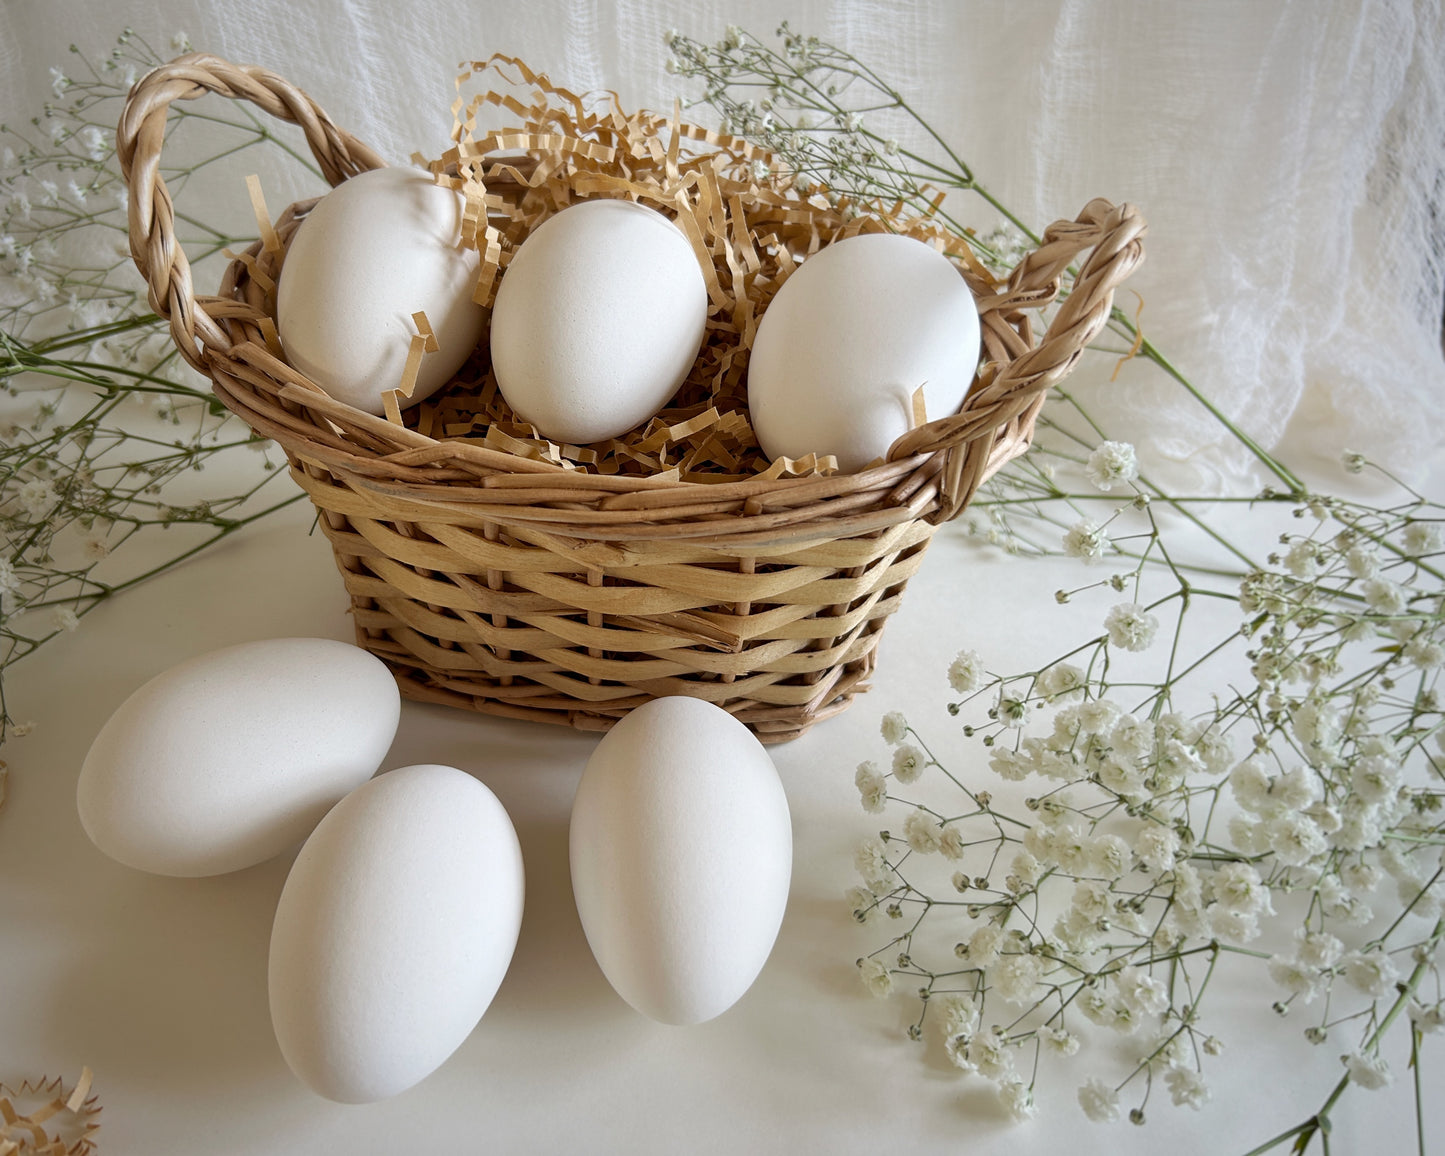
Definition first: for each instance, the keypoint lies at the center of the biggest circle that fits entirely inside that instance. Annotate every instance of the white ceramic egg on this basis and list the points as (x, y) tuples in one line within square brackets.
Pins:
[(393, 932), (681, 855), (379, 247), (597, 321), (233, 756), (847, 340)]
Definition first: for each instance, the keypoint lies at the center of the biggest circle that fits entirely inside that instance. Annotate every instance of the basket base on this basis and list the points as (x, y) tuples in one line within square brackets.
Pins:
[(770, 724)]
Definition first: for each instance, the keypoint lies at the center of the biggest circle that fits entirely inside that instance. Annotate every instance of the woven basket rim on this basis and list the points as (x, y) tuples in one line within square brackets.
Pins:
[(932, 471)]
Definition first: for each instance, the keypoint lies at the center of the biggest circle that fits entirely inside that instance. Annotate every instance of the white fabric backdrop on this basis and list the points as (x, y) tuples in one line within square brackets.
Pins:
[(1290, 158)]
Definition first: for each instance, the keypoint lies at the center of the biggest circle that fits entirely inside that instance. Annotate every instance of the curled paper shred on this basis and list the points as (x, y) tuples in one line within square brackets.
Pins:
[(269, 237), (747, 221), (1138, 344), (39, 1118)]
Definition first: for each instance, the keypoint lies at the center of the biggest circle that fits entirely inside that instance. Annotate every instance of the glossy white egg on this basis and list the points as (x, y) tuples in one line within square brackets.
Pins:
[(393, 932), (597, 321), (234, 756), (681, 856), (379, 247), (849, 338)]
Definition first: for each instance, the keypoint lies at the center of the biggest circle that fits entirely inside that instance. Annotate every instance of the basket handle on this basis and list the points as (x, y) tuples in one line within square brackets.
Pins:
[(139, 137), (997, 418)]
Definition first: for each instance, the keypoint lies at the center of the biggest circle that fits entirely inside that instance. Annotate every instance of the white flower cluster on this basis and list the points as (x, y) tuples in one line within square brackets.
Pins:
[(81, 471), (1135, 889), (1113, 464)]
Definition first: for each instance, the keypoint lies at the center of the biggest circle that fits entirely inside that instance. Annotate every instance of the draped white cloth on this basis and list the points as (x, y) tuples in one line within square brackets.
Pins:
[(1290, 157)]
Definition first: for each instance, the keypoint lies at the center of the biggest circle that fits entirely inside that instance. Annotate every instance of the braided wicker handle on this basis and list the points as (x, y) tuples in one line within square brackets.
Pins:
[(139, 137), (997, 418)]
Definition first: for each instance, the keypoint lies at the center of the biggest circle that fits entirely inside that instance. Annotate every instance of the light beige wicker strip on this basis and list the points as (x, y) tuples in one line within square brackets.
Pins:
[(517, 588)]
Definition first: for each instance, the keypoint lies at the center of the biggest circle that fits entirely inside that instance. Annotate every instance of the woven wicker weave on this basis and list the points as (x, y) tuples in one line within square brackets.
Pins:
[(515, 587)]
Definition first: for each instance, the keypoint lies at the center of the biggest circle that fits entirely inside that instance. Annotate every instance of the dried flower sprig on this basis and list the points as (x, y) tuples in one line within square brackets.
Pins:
[(842, 131), (1127, 847), (104, 429), (1152, 843)]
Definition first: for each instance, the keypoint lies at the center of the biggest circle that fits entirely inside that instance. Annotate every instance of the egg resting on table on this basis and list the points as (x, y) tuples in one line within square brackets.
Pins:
[(230, 757), (396, 925), (681, 856)]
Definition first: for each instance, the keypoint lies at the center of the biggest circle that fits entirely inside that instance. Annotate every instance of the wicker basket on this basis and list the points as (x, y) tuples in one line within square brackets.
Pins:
[(514, 587)]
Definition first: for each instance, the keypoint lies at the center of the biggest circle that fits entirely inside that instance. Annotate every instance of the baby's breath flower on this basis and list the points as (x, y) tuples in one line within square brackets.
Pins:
[(1017, 1098), (1302, 560), (1375, 778), (965, 675), (1110, 856), (1130, 626), (876, 977), (922, 832), (1372, 972), (1295, 839), (871, 860), (989, 1055), (1362, 562), (1427, 1018), (1009, 764), (65, 619), (94, 547), (1424, 653), (1369, 1071), (1421, 538), (1360, 877), (1318, 949), (1296, 977), (862, 903), (1016, 978), (1098, 716), (1237, 888), (1099, 1101), (1156, 847), (893, 727), (983, 945), (908, 763), (1059, 1041), (1112, 464), (1384, 596), (1187, 1087), (92, 139), (1084, 539), (872, 787), (1012, 710), (1141, 993), (958, 1014), (37, 497), (1062, 680)]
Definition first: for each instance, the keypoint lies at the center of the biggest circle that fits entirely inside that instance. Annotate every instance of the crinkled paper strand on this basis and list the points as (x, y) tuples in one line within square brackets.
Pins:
[(746, 220), (39, 1118)]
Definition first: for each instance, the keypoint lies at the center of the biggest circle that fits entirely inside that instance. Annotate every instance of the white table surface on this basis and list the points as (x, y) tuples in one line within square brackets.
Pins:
[(159, 984)]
